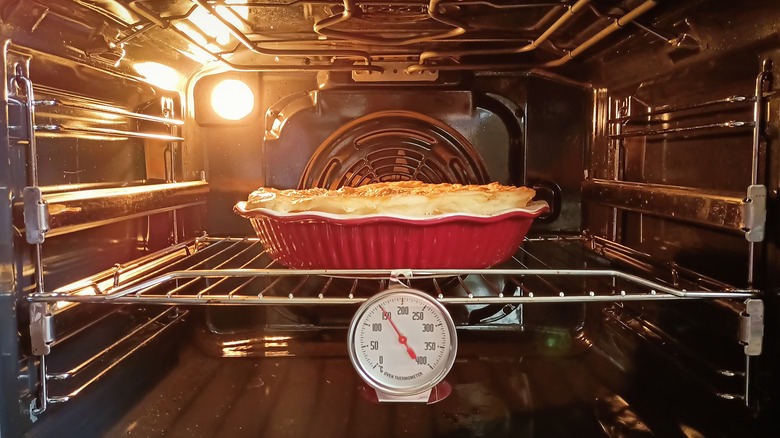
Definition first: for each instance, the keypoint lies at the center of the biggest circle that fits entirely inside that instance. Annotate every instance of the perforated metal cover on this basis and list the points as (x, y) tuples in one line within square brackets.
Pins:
[(394, 146)]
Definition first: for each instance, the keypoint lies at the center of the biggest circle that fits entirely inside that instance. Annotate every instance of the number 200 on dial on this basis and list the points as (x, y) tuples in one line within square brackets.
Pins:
[(402, 342)]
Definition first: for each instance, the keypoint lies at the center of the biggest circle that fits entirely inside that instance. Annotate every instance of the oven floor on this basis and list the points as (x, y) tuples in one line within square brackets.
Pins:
[(301, 397)]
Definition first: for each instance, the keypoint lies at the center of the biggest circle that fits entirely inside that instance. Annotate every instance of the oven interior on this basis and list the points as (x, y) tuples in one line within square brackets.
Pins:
[(137, 303)]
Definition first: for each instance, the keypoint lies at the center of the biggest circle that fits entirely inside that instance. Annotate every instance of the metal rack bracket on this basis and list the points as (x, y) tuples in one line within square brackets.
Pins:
[(751, 327), (36, 215), (754, 213), (729, 211), (41, 328)]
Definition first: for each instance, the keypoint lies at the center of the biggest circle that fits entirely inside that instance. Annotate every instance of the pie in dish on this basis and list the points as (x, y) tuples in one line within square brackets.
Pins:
[(394, 225), (403, 198)]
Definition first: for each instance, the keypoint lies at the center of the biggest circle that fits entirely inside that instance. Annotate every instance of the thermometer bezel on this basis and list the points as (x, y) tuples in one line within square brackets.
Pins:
[(424, 386)]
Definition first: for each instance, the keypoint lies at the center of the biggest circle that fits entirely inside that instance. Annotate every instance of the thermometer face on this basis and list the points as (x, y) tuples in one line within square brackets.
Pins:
[(402, 342)]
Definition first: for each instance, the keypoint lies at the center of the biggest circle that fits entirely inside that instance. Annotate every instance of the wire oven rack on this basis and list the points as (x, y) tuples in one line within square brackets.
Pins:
[(237, 271)]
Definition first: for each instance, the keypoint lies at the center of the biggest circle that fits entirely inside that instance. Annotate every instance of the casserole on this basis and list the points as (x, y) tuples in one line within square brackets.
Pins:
[(314, 240)]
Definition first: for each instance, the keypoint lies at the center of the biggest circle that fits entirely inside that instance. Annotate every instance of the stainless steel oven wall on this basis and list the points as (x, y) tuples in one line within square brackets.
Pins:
[(99, 148), (525, 128), (679, 123)]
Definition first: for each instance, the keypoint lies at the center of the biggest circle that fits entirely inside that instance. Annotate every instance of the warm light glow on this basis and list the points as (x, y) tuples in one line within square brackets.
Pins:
[(232, 99), (210, 25), (209, 33), (159, 75), (234, 14)]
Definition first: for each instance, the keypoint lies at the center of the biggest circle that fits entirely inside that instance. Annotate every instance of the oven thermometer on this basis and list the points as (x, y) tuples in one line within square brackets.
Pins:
[(402, 342)]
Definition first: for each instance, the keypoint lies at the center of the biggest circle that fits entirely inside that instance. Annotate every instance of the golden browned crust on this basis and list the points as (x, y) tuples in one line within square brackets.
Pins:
[(406, 198)]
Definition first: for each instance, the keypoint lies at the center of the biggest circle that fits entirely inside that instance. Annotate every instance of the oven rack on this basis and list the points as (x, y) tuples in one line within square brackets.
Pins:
[(630, 122), (47, 112), (737, 211), (237, 271), (58, 113), (62, 377)]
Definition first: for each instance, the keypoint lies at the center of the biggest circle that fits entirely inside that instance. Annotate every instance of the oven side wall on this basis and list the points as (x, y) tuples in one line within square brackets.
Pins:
[(10, 415), (711, 55), (55, 37)]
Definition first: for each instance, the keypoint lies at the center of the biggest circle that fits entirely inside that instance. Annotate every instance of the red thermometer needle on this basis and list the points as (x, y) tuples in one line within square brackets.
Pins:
[(401, 338)]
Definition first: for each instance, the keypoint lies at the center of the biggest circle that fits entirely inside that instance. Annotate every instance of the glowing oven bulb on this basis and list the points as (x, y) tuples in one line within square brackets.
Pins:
[(232, 99)]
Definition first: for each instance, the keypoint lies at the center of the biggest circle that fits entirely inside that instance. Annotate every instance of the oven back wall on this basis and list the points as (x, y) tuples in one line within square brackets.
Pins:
[(477, 129)]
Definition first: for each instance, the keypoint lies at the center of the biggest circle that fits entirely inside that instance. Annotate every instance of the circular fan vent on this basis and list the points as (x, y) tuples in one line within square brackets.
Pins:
[(394, 146)]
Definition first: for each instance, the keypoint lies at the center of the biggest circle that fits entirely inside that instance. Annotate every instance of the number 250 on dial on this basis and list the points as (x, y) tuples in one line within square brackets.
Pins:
[(402, 342)]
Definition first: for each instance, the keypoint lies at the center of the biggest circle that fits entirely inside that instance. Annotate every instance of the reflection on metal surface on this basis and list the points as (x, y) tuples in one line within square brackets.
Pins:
[(270, 345), (93, 369), (705, 370), (325, 27), (199, 40), (652, 113), (104, 281), (570, 12), (618, 419), (159, 75), (157, 326), (731, 124), (210, 25), (616, 25), (394, 72), (394, 146), (101, 111), (577, 51), (763, 85), (279, 113), (751, 327), (72, 211), (680, 203), (94, 133)]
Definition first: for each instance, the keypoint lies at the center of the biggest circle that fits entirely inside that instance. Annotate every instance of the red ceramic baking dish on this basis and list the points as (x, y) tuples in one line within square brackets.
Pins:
[(312, 240)]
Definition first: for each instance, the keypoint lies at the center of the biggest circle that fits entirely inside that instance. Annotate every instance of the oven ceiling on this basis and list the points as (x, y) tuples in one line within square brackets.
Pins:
[(420, 36)]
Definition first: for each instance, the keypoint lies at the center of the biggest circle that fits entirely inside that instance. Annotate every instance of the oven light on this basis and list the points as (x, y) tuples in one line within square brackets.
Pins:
[(158, 75), (232, 99)]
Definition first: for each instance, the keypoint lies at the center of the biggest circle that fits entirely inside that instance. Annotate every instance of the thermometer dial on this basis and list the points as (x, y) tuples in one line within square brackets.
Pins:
[(402, 342)]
